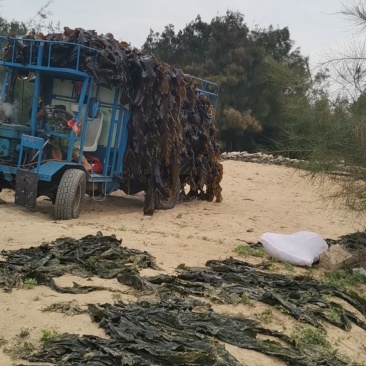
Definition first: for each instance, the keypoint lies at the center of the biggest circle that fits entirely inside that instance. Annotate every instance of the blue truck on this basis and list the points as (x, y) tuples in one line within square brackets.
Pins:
[(87, 117)]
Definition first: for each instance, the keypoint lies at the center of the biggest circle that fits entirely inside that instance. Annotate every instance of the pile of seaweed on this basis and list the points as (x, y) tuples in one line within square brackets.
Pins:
[(170, 325), (92, 255), (353, 242), (171, 134), (174, 332)]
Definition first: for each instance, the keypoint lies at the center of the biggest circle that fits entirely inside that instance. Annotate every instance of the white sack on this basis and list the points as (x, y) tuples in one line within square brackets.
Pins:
[(302, 248)]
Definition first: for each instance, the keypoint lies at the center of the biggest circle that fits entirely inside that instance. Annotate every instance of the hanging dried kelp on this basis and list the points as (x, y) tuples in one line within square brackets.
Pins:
[(200, 152), (171, 136)]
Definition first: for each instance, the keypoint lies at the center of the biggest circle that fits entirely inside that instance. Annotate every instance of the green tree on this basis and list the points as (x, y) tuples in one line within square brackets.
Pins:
[(277, 74), (225, 51), (238, 128), (12, 28), (331, 132)]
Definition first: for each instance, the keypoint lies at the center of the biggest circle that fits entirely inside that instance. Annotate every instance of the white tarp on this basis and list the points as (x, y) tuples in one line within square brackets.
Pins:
[(302, 248)]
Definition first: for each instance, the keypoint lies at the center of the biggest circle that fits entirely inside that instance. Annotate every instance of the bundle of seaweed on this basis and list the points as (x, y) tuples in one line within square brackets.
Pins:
[(171, 135), (92, 255)]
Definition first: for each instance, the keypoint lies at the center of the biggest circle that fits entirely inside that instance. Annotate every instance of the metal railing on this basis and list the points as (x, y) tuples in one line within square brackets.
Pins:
[(209, 88), (26, 53)]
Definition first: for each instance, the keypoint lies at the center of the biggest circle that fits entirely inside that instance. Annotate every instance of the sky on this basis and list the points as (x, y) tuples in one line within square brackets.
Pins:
[(315, 25)]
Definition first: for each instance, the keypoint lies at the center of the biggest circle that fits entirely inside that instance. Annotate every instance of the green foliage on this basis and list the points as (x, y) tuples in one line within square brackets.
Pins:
[(237, 126), (245, 299), (49, 334), (12, 28), (29, 283), (21, 350), (305, 334), (331, 132), (334, 314), (266, 316), (289, 267), (331, 136), (344, 279), (239, 122), (255, 69), (245, 250)]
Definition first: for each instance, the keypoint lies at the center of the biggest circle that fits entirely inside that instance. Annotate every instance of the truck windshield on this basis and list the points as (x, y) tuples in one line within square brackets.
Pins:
[(16, 108)]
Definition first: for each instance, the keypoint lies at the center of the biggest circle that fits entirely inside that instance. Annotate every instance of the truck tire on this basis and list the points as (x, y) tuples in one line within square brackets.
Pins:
[(169, 202), (70, 195)]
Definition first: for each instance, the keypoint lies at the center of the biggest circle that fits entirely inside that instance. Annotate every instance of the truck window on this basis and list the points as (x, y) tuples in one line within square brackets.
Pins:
[(16, 109)]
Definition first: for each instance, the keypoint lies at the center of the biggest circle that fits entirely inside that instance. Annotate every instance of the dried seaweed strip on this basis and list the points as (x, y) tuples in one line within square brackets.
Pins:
[(70, 349)]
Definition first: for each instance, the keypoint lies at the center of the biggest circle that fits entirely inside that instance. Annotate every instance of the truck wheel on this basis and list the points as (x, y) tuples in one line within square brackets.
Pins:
[(70, 195), (169, 202)]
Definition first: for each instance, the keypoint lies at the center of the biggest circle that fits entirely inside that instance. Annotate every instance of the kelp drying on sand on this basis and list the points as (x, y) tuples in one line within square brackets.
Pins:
[(169, 325)]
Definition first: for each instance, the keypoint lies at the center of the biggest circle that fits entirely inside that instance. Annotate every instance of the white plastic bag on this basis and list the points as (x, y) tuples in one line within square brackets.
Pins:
[(302, 248)]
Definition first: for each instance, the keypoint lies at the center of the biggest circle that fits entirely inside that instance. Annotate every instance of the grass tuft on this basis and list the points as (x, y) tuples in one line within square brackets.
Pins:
[(29, 283), (306, 334), (24, 332), (266, 316), (245, 250), (49, 334), (21, 350), (344, 279), (247, 301)]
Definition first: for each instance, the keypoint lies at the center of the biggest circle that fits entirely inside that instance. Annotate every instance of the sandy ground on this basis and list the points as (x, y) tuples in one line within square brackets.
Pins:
[(257, 199)]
